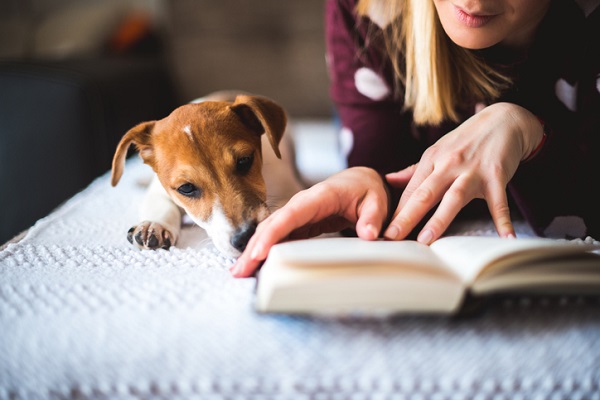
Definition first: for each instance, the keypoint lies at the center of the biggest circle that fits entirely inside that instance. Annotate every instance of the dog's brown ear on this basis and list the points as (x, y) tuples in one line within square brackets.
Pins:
[(262, 116), (139, 136)]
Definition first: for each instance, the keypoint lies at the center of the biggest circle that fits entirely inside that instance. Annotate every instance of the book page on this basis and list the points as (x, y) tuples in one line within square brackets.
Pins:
[(570, 274), (472, 256), (347, 252), (344, 274)]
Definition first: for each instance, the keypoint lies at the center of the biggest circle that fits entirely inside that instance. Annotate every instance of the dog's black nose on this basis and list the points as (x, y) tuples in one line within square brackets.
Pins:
[(241, 237)]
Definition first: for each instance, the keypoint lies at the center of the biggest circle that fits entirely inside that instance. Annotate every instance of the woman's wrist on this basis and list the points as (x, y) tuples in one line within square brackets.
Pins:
[(537, 149), (532, 130)]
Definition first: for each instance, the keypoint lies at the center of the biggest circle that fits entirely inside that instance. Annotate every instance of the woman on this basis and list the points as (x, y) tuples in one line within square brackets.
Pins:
[(455, 100)]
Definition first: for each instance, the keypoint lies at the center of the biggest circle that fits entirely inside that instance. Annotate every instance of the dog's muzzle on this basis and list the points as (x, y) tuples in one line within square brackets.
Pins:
[(241, 237)]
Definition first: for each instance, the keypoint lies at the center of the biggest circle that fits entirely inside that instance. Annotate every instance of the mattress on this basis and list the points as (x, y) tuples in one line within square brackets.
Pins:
[(85, 315)]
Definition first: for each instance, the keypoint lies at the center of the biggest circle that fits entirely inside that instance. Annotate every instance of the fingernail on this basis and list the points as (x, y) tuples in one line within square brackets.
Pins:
[(256, 252), (234, 268), (511, 236), (391, 232), (372, 230), (425, 236)]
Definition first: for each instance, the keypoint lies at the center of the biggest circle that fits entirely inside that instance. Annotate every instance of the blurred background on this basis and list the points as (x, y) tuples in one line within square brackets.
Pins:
[(75, 75)]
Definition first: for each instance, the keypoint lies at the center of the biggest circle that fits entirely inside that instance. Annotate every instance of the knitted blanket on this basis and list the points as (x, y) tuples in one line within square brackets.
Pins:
[(85, 315)]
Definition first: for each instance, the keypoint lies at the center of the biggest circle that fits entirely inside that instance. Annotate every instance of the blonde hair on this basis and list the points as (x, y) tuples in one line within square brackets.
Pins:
[(437, 75)]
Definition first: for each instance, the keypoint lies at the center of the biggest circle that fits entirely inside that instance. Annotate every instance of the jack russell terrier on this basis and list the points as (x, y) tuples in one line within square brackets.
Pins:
[(209, 162)]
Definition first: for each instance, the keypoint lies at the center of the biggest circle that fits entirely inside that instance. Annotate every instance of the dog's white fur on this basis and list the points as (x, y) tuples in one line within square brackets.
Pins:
[(162, 213), (159, 208)]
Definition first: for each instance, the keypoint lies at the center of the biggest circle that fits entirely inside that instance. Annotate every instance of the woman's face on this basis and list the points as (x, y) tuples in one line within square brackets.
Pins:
[(477, 24)]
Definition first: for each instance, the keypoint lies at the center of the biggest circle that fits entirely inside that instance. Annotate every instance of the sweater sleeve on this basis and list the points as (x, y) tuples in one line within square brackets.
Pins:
[(375, 131)]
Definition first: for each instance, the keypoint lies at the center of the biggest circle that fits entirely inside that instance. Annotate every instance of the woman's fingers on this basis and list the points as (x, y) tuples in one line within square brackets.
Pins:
[(498, 205), (456, 197), (402, 177), (371, 213), (475, 160), (352, 197), (416, 203), (252, 256), (302, 209), (452, 194)]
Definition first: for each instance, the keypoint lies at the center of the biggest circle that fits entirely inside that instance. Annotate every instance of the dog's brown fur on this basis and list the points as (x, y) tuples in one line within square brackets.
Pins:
[(210, 146)]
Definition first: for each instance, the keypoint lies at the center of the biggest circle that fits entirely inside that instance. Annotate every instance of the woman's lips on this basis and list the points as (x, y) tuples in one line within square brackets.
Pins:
[(470, 20)]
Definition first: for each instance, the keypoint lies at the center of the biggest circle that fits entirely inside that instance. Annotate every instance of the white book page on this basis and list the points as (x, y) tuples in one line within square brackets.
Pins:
[(355, 252), (571, 274), (469, 256), (342, 274)]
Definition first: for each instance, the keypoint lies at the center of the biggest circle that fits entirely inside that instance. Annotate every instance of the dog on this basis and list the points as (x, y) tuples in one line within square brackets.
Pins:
[(208, 162)]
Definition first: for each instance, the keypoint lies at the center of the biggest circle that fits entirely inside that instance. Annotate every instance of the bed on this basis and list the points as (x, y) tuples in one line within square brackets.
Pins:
[(83, 315)]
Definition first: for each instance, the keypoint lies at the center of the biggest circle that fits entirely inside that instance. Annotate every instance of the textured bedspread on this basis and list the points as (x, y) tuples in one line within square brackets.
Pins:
[(84, 315)]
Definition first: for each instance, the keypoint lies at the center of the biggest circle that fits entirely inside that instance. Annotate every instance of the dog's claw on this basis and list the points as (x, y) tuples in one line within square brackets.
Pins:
[(149, 236), (130, 234), (167, 241)]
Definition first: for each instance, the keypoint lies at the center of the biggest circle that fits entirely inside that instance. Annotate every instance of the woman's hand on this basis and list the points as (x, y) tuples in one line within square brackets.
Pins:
[(476, 160), (355, 197)]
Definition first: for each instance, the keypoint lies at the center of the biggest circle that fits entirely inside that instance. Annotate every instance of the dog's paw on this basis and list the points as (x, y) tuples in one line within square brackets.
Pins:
[(150, 236)]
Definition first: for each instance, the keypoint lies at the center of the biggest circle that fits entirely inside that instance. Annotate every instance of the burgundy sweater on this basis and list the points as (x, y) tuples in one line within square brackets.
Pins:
[(558, 80)]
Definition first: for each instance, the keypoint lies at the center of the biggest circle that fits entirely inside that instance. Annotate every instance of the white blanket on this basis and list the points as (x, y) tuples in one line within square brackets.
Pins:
[(85, 315)]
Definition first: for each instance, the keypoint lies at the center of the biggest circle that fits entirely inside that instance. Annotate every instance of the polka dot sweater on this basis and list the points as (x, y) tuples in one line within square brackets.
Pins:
[(558, 80)]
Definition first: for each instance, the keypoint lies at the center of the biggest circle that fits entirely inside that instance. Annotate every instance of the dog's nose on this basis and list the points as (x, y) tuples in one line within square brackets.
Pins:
[(241, 237)]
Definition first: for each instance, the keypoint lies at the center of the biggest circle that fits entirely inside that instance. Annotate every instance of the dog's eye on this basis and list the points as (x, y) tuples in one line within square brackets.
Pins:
[(243, 164), (189, 190)]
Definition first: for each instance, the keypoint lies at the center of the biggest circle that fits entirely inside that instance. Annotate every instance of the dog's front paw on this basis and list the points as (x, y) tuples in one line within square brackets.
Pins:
[(150, 236)]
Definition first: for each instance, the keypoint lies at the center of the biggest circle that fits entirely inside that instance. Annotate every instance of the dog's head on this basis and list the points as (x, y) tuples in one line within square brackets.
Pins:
[(208, 157)]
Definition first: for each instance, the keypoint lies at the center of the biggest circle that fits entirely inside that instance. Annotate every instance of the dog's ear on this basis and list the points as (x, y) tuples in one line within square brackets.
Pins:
[(139, 136), (262, 116)]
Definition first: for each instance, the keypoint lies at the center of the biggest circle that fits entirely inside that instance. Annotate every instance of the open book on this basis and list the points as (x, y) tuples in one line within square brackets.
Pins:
[(350, 275)]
